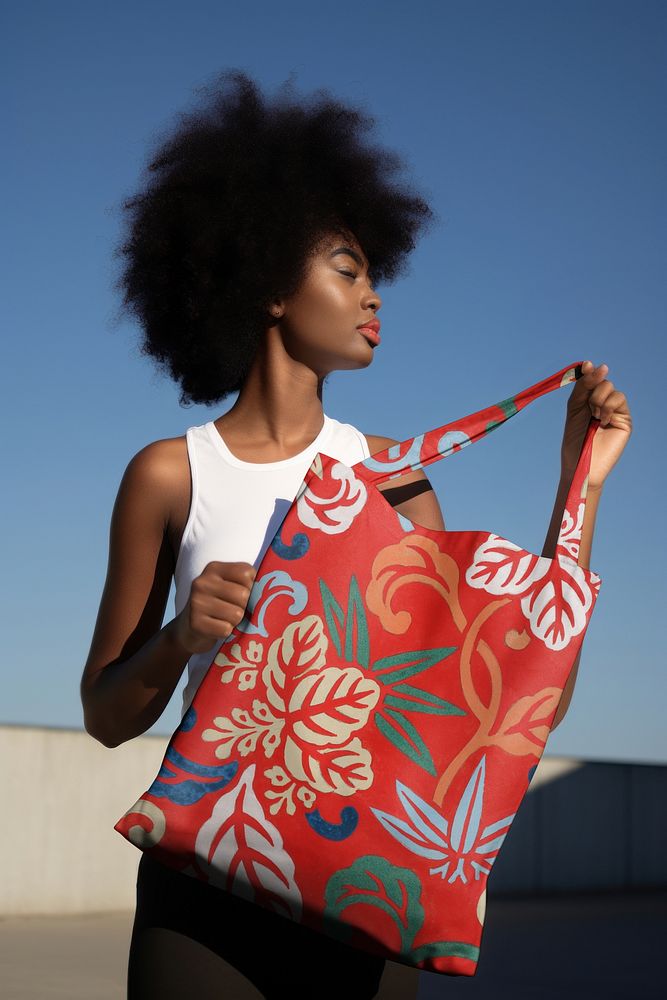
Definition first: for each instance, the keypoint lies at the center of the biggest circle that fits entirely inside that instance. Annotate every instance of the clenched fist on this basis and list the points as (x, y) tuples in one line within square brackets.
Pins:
[(217, 602)]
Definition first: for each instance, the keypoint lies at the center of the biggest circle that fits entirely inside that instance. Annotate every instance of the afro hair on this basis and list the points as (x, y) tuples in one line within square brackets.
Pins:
[(235, 199)]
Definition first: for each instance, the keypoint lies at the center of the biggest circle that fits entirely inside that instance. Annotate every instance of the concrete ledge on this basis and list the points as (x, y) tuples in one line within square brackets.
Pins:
[(583, 825), (63, 791)]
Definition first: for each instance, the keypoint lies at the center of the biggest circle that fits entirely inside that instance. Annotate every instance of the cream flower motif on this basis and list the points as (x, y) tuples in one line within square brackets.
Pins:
[(323, 707), (247, 679), (243, 666), (344, 770), (277, 776), (280, 779), (309, 720), (243, 731), (306, 796)]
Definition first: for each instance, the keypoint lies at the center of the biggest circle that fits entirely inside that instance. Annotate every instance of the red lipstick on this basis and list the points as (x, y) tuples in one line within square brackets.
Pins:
[(371, 330)]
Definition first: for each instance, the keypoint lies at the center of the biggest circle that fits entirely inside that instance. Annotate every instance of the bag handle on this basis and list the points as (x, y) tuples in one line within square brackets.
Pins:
[(420, 451)]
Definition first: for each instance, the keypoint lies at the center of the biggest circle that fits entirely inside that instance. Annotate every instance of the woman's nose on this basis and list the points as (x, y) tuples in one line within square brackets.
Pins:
[(371, 299)]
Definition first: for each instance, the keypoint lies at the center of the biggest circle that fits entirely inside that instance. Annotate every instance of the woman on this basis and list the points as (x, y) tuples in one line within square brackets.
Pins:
[(251, 263)]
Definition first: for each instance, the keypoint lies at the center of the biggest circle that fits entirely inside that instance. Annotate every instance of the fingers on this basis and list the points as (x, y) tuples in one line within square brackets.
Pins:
[(599, 399), (604, 400), (591, 374), (608, 407)]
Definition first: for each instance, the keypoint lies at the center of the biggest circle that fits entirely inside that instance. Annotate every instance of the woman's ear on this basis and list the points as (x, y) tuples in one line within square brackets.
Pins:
[(275, 310)]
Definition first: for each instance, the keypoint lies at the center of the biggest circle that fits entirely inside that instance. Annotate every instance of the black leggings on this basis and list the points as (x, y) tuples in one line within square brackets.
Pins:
[(185, 932)]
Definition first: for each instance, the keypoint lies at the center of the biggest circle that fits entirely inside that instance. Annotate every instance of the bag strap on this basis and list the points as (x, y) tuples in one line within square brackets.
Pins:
[(418, 452)]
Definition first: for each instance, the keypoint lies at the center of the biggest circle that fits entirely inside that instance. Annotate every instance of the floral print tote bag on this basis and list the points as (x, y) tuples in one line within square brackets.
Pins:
[(359, 746)]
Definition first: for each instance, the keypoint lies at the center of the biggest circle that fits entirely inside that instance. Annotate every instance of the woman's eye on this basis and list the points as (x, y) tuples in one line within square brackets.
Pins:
[(348, 273)]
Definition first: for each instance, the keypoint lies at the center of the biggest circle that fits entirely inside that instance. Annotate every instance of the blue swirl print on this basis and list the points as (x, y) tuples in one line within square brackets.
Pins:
[(396, 464), (451, 438), (188, 720), (279, 584), (192, 767), (335, 831), (185, 793), (298, 548), (404, 522)]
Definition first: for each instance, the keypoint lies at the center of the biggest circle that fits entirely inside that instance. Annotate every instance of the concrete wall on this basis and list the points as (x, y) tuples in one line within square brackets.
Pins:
[(62, 793), (582, 825), (586, 825)]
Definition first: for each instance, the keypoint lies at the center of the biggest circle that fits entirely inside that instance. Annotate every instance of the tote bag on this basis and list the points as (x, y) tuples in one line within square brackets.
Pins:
[(360, 744)]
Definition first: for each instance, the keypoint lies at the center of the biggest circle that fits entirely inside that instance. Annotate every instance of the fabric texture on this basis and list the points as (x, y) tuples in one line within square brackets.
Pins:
[(237, 506), (361, 742)]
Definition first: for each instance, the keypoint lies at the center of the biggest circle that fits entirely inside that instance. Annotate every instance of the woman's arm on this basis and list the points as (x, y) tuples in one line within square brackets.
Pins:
[(134, 663), (592, 394)]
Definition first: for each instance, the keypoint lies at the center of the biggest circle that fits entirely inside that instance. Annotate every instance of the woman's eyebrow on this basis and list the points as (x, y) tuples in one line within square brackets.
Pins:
[(350, 252)]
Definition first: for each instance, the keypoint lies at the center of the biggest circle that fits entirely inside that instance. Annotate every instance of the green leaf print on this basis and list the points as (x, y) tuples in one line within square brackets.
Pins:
[(509, 408), (420, 701), (375, 881), (337, 622), (418, 660), (405, 738), (334, 616), (459, 948)]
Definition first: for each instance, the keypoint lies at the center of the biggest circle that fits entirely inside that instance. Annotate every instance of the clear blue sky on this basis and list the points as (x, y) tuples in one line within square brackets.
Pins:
[(537, 131)]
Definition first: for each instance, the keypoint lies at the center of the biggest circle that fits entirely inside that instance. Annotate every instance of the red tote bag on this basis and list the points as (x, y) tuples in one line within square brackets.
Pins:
[(361, 742)]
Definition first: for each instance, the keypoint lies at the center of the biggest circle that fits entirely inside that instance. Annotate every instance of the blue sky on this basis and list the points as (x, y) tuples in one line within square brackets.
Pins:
[(536, 131)]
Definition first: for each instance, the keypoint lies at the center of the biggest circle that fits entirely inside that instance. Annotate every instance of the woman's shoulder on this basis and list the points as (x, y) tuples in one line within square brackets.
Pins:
[(161, 460), (377, 442), (161, 470)]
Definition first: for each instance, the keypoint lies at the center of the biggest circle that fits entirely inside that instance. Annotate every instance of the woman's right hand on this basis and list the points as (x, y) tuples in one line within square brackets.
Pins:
[(217, 602)]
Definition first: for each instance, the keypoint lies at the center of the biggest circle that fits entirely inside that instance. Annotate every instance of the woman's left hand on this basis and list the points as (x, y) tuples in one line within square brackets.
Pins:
[(594, 394)]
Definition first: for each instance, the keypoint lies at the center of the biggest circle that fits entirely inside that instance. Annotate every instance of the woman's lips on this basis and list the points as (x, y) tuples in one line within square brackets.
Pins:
[(370, 335)]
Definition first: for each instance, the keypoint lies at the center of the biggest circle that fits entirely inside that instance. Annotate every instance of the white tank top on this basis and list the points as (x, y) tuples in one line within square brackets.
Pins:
[(237, 506)]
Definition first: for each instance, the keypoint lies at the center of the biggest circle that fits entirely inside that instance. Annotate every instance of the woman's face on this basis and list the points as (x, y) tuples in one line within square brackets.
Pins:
[(320, 323)]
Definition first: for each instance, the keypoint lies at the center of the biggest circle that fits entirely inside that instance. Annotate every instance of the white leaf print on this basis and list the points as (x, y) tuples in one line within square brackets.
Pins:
[(570, 532), (243, 852), (501, 567), (558, 611)]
